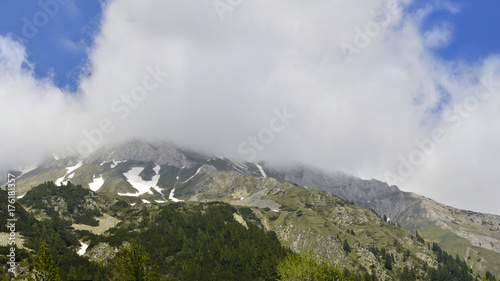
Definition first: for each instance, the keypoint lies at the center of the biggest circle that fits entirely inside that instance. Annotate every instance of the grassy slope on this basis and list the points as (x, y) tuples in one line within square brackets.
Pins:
[(312, 219)]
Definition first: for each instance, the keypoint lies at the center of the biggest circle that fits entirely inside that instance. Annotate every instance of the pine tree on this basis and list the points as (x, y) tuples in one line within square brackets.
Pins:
[(45, 268), (419, 238), (72, 274), (306, 266), (131, 263), (346, 246), (388, 261)]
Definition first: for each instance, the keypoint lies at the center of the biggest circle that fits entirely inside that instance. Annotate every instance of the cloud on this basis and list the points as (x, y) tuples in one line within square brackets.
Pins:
[(438, 36), (36, 116), (226, 79)]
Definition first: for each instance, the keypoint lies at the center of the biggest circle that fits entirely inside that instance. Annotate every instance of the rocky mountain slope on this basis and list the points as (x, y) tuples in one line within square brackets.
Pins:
[(473, 236), (139, 172), (340, 233)]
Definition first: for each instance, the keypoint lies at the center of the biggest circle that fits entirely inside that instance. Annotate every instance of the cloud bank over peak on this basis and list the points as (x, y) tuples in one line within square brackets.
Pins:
[(360, 79)]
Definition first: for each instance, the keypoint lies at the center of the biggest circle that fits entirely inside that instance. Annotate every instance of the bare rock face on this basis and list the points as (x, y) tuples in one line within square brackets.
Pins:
[(372, 194), (102, 253), (161, 153), (444, 224)]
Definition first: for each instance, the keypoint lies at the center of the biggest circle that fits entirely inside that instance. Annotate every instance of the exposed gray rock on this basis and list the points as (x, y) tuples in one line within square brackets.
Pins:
[(160, 153), (372, 194)]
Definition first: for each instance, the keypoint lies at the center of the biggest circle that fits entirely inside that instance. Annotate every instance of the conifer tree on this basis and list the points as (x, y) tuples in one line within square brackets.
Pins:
[(346, 246), (131, 263), (45, 268)]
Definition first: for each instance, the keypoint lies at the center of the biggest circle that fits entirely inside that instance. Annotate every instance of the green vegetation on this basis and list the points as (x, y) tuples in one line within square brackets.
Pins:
[(60, 240), (218, 241), (44, 268), (69, 201), (476, 257), (307, 267), (131, 263), (449, 268), (201, 242), (188, 242)]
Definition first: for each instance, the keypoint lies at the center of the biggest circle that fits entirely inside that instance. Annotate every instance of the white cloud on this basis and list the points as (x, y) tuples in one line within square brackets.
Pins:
[(438, 36), (226, 77), (36, 116)]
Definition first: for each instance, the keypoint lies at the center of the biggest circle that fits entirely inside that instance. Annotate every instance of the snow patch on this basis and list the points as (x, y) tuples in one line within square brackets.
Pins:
[(132, 204), (139, 184), (83, 249), (20, 196), (56, 157), (261, 171), (128, 194), (239, 170), (160, 201), (27, 169), (96, 183), (61, 181), (157, 169), (115, 163), (197, 171), (171, 196), (238, 164), (145, 201)]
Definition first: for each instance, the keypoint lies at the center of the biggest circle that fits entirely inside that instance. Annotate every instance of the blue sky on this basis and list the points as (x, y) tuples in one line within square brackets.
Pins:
[(57, 40), (58, 47), (474, 29)]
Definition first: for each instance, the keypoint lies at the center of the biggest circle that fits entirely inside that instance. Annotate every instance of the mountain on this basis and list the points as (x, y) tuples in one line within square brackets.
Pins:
[(231, 227), (305, 206), (472, 236)]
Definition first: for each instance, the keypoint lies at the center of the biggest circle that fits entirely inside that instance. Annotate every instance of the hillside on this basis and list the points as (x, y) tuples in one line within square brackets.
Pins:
[(138, 173), (243, 240), (473, 236)]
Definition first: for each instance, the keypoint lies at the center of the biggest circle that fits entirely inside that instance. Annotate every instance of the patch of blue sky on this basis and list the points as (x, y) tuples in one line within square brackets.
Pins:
[(56, 34), (473, 26)]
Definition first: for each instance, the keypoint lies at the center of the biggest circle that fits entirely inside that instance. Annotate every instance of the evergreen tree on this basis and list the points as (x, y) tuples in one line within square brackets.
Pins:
[(45, 268), (346, 246), (388, 261), (131, 263), (489, 276), (72, 274), (419, 238), (306, 267)]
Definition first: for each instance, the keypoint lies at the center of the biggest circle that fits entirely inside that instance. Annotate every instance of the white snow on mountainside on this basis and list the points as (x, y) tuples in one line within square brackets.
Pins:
[(141, 185), (83, 249), (60, 180), (171, 196), (96, 183)]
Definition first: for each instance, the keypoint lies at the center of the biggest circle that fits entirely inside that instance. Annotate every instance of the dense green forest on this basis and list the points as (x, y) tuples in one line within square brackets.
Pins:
[(176, 241)]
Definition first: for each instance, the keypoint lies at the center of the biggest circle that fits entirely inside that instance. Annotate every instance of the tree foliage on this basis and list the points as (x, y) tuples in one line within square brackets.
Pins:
[(132, 263), (308, 267), (44, 268)]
